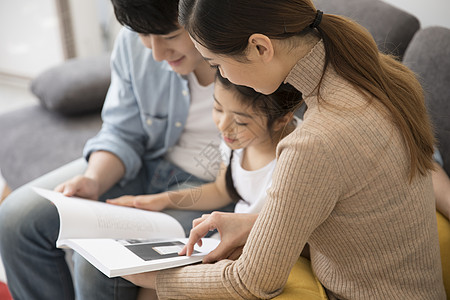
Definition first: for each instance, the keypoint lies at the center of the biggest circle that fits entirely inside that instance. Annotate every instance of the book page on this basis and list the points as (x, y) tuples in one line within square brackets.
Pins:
[(120, 257), (82, 218)]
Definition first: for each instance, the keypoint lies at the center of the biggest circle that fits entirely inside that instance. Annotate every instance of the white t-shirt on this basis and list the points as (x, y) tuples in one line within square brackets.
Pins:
[(252, 186), (197, 150)]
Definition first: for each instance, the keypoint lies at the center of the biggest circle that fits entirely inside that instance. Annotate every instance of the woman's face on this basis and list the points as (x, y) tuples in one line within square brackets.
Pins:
[(256, 75), (240, 125)]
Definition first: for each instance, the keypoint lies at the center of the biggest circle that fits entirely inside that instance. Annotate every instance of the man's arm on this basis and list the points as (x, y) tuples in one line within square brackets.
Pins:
[(104, 170), (122, 132), (441, 186)]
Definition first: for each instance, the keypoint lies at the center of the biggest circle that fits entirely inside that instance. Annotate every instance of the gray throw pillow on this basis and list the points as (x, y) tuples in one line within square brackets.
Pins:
[(74, 87)]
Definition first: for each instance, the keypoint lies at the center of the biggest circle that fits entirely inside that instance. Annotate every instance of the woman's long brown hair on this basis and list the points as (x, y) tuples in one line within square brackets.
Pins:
[(355, 56)]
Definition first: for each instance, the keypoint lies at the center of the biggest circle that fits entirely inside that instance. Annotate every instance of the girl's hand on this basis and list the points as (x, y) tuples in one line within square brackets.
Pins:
[(81, 186), (156, 202), (233, 229)]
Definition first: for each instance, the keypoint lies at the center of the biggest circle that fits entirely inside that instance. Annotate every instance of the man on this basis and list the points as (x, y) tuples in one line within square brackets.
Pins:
[(157, 133)]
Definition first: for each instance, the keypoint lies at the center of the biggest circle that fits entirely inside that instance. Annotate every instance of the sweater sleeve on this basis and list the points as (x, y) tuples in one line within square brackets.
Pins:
[(304, 191)]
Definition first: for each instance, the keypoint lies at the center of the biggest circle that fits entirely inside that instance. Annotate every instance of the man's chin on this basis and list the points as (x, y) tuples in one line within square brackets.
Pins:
[(182, 70)]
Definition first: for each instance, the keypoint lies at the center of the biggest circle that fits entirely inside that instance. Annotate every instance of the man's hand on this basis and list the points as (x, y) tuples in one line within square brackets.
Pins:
[(81, 186), (155, 202), (103, 171), (233, 229)]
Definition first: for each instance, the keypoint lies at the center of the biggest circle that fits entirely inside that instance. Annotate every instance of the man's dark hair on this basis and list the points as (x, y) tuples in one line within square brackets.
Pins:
[(147, 16)]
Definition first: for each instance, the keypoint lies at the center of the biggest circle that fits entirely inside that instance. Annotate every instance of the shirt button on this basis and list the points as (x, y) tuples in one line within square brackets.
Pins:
[(178, 124), (185, 93), (149, 122)]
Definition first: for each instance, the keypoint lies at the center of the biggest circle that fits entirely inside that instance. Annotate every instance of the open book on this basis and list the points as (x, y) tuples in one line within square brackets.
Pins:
[(120, 240)]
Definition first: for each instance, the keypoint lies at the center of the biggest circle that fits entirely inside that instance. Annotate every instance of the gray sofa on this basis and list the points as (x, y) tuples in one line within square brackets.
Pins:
[(40, 138), (43, 137), (428, 55)]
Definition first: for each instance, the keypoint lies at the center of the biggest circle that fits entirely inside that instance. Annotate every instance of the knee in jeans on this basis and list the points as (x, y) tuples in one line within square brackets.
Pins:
[(25, 219), (9, 216)]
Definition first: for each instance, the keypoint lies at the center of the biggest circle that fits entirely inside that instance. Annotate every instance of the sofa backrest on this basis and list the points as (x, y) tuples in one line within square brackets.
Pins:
[(428, 55), (391, 27)]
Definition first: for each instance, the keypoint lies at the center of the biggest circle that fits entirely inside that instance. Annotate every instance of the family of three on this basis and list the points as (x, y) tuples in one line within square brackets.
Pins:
[(352, 180)]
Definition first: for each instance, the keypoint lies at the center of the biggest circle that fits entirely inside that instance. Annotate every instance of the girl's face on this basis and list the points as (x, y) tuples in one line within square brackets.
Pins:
[(240, 125), (176, 48), (257, 75)]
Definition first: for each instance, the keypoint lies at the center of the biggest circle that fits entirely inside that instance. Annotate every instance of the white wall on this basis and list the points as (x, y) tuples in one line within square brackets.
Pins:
[(95, 26), (429, 12), (29, 36), (86, 27)]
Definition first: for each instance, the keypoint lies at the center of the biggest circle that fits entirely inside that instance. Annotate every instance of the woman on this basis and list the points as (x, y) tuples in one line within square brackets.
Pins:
[(353, 181)]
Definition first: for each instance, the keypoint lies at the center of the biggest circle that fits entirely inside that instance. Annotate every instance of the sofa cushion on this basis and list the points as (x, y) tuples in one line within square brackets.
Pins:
[(35, 141), (428, 56), (391, 27), (444, 244), (302, 283), (76, 86)]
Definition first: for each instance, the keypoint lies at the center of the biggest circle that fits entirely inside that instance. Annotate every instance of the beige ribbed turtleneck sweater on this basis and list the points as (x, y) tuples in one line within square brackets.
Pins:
[(341, 184)]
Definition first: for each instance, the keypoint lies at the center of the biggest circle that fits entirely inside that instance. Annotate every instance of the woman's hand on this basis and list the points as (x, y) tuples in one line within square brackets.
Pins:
[(81, 186), (233, 229), (156, 202)]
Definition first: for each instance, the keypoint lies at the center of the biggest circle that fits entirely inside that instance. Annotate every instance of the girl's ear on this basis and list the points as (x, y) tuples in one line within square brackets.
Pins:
[(260, 48), (281, 122)]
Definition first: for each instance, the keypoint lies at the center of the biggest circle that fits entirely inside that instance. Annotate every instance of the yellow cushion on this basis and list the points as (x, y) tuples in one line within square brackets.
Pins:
[(444, 243), (302, 283), (4, 189)]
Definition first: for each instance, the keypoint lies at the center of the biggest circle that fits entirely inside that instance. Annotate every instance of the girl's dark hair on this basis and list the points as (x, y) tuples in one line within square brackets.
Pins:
[(147, 16), (224, 27), (229, 184), (286, 99)]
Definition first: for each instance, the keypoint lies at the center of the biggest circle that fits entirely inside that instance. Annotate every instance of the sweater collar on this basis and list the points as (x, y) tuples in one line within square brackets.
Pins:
[(306, 73)]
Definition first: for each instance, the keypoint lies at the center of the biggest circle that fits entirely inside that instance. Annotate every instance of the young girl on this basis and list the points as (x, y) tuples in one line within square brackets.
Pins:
[(251, 125)]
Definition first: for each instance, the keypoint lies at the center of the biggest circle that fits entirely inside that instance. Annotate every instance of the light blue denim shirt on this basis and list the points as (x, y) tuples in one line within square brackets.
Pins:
[(145, 109), (437, 157)]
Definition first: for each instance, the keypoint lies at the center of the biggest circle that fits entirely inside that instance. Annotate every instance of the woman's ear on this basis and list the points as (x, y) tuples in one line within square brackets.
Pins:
[(260, 47)]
